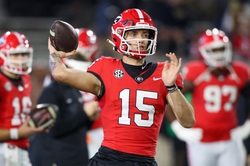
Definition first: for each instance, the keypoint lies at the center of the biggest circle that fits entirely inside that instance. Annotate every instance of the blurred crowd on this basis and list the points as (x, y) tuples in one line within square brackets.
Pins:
[(179, 22)]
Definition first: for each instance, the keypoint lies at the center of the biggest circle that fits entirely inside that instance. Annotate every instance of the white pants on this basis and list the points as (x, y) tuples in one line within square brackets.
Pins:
[(223, 153), (13, 156), (96, 137)]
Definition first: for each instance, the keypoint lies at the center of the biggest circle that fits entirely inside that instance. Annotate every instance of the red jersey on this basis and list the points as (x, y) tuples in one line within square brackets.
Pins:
[(15, 103), (214, 98), (132, 106)]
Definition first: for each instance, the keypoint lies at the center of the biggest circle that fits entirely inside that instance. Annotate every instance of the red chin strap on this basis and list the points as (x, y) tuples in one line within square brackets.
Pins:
[(136, 56), (1, 61)]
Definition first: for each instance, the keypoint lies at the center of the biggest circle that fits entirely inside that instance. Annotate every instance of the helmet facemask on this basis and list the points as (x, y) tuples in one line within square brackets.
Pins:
[(217, 54), (215, 48), (18, 66), (125, 48)]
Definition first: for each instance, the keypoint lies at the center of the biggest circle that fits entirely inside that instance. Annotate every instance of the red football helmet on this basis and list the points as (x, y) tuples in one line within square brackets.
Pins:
[(215, 48), (129, 20), (15, 43), (87, 43)]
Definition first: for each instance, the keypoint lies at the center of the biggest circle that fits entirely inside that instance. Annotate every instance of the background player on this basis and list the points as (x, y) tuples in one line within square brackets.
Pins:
[(215, 84), (132, 94), (16, 56), (88, 47)]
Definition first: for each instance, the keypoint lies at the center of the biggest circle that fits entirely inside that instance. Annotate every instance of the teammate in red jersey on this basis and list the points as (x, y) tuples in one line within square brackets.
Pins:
[(15, 98), (215, 84), (132, 93)]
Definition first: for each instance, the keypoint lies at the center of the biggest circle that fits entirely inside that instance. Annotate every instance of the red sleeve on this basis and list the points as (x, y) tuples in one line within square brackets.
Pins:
[(97, 66), (190, 72)]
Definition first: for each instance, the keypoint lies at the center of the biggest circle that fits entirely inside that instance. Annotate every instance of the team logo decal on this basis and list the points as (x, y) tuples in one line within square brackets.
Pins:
[(80, 100), (2, 41), (69, 100), (128, 23), (138, 79), (8, 86), (20, 88), (118, 73), (117, 19)]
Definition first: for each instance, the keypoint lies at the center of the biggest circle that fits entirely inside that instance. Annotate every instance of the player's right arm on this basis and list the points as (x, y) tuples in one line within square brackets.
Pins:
[(81, 80)]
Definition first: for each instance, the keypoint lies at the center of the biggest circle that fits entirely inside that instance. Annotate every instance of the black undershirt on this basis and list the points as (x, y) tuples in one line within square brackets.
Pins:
[(137, 69)]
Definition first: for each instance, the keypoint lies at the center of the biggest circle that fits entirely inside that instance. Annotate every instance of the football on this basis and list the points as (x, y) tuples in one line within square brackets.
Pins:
[(63, 36), (43, 115)]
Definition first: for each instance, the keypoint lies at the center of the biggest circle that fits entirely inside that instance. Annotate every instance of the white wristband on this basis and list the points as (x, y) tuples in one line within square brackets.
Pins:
[(14, 133)]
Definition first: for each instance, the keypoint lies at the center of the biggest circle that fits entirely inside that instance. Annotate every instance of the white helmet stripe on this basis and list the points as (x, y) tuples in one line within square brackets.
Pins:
[(216, 37), (19, 38), (215, 33), (140, 15)]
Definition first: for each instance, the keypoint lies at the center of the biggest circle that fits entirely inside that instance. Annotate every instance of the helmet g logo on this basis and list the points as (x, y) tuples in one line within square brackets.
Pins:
[(128, 23), (2, 41), (117, 19)]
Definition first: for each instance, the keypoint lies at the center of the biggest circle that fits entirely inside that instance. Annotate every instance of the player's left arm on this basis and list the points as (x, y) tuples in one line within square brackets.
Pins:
[(182, 109)]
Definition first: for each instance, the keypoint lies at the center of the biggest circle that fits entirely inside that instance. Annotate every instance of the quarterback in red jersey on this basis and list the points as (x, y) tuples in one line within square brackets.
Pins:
[(215, 84), (132, 94), (15, 98)]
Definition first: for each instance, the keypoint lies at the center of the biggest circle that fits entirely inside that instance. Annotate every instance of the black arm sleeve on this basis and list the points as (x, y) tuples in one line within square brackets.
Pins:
[(246, 90)]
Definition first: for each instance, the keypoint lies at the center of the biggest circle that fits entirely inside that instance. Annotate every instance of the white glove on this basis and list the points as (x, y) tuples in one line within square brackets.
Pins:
[(186, 134), (241, 132)]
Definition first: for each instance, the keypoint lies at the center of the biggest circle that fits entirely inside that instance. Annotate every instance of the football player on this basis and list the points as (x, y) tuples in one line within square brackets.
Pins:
[(16, 56), (132, 93), (215, 84), (88, 47)]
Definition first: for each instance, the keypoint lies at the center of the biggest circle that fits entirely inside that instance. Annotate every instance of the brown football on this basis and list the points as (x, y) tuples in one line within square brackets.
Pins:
[(43, 115), (63, 36)]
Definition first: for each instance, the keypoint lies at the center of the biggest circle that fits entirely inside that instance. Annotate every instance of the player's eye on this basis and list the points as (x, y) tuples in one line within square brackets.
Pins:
[(21, 54), (132, 34), (220, 49)]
